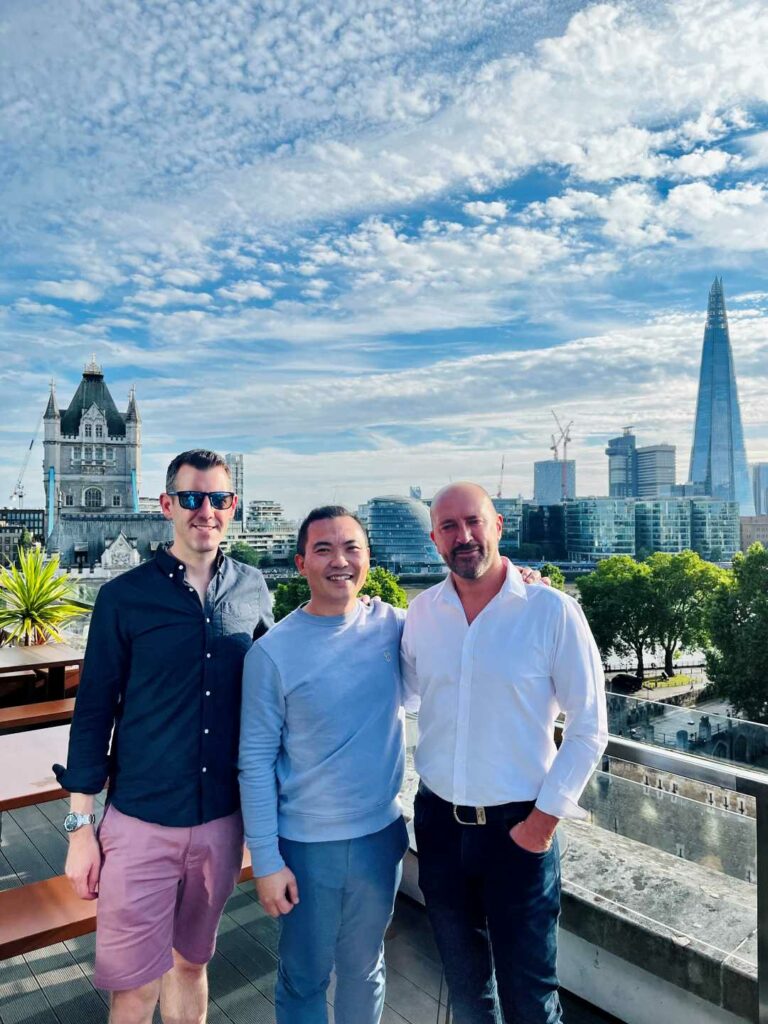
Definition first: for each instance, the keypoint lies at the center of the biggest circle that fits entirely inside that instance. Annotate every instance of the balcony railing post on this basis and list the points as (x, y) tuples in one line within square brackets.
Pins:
[(761, 829)]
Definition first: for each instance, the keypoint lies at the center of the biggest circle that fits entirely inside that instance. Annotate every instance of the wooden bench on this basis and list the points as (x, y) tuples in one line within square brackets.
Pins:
[(41, 913), (43, 713)]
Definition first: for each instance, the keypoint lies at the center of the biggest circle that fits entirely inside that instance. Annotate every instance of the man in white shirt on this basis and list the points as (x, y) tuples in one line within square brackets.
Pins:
[(494, 662)]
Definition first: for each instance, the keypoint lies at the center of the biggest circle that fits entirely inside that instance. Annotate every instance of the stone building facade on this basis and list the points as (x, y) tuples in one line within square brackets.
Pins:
[(92, 460)]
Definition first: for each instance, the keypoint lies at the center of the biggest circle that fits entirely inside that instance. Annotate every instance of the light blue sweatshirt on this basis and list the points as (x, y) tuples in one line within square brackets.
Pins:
[(321, 738)]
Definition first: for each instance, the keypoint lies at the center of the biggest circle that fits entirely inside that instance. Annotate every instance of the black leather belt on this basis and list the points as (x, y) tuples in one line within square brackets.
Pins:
[(466, 814)]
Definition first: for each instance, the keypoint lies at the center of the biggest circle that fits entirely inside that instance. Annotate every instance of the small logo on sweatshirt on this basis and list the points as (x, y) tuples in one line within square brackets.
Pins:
[(387, 656)]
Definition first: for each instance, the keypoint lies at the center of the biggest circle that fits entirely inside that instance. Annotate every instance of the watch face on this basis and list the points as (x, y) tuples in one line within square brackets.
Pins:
[(70, 823)]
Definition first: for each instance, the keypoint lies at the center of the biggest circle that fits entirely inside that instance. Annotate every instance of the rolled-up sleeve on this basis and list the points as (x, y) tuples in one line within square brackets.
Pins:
[(105, 669), (261, 727), (577, 675)]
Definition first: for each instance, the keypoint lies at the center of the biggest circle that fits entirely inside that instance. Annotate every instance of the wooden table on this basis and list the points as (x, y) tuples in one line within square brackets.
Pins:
[(53, 657), (26, 776)]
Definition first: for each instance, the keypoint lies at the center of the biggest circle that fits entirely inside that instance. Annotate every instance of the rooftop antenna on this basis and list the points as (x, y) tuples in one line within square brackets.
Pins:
[(501, 478)]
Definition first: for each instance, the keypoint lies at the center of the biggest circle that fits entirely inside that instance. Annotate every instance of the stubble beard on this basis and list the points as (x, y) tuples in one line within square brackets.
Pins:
[(469, 570)]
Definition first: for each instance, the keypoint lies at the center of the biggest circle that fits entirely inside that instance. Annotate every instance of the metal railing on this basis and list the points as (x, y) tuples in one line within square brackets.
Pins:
[(738, 780)]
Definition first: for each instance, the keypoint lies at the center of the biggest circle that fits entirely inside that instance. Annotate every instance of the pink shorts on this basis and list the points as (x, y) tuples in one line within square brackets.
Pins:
[(161, 889)]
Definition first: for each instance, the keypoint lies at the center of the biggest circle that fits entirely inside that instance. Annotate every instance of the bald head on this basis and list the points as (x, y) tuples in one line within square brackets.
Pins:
[(466, 529), (464, 490)]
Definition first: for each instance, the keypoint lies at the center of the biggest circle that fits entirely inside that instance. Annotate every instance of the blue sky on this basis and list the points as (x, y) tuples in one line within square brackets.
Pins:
[(373, 244)]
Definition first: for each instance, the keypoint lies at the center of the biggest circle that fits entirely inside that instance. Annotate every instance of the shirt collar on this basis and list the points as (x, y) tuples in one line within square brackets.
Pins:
[(169, 564), (512, 586)]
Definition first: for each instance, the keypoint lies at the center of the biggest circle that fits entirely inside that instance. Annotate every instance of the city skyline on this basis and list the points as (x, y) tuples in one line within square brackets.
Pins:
[(374, 249)]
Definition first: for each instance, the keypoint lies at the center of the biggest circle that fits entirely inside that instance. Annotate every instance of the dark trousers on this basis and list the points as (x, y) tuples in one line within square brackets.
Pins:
[(493, 908)]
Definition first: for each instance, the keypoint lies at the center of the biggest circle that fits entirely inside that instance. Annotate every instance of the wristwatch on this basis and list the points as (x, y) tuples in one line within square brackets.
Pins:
[(73, 821)]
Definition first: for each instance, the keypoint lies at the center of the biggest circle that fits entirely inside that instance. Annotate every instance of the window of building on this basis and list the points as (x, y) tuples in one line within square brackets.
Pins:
[(88, 430), (116, 500), (99, 454), (69, 499), (93, 498), (99, 430)]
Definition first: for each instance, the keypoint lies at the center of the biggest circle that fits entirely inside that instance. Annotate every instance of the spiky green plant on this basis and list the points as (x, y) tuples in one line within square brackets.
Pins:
[(34, 602)]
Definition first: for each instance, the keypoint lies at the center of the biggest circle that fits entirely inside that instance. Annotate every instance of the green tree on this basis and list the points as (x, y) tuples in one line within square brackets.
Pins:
[(34, 602), (555, 574), (380, 582), (738, 660), (681, 587), (617, 602), (290, 595), (242, 552)]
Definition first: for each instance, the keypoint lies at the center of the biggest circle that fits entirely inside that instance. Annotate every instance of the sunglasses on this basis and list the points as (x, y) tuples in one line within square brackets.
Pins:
[(193, 500)]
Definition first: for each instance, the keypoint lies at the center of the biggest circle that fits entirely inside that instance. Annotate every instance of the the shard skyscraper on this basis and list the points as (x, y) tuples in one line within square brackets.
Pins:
[(718, 458)]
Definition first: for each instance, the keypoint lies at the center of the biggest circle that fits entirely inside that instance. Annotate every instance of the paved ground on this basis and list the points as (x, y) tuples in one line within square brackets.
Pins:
[(53, 986)]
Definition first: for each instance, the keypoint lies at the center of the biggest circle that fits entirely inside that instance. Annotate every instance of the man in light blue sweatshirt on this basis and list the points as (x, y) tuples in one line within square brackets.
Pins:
[(321, 764)]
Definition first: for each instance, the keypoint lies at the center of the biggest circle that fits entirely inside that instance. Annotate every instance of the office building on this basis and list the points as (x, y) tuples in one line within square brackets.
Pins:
[(622, 468), (759, 488), (718, 456), (554, 480), (544, 526), (715, 528), (237, 472), (655, 470), (32, 519), (399, 529), (598, 527), (149, 504), (511, 510), (662, 524), (754, 529)]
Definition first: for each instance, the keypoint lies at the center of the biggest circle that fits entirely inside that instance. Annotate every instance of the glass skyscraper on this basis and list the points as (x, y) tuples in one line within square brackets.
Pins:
[(718, 457)]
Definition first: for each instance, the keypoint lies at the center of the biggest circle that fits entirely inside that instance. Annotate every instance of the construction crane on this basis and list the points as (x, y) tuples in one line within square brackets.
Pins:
[(501, 478), (18, 490), (564, 438)]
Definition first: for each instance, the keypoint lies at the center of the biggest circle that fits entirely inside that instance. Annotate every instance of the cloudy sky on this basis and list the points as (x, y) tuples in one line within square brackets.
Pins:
[(372, 243)]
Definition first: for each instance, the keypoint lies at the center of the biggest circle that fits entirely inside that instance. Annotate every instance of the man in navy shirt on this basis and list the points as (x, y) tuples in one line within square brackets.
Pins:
[(163, 670)]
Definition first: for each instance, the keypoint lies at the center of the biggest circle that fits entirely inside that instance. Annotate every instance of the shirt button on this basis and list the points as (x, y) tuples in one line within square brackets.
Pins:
[(170, 575), (208, 654), (205, 769), (207, 619), (207, 693), (206, 731), (182, 568), (190, 588)]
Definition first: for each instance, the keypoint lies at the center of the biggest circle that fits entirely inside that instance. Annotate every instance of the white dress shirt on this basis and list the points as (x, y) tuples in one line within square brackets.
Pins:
[(490, 693)]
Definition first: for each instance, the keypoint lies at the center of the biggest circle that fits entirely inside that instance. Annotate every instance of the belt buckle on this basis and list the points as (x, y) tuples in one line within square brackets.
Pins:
[(479, 816)]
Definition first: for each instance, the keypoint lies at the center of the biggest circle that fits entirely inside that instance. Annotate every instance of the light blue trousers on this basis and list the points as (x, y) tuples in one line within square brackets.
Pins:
[(347, 892)]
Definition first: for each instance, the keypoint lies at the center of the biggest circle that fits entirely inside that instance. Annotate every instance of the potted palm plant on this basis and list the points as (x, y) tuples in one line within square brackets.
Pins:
[(34, 603)]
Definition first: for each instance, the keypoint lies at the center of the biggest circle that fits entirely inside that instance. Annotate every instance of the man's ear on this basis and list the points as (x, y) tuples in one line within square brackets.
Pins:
[(166, 505), (298, 561)]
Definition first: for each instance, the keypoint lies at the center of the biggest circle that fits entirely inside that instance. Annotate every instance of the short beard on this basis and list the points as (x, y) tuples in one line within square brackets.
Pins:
[(468, 571)]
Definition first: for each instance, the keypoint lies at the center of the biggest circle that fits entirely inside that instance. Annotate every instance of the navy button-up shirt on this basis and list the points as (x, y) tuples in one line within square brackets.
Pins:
[(165, 671)]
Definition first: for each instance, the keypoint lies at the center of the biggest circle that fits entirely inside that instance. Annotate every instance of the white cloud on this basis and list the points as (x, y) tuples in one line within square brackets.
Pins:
[(243, 291), (170, 297), (74, 291), (29, 308), (486, 211)]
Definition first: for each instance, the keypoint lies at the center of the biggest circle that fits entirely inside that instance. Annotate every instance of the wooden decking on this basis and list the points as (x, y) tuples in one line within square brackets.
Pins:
[(53, 985)]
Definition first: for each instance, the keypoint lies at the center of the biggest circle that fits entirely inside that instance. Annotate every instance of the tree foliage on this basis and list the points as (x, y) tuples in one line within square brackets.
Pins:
[(380, 582), (242, 552), (681, 589), (617, 601), (738, 660), (34, 602), (555, 574)]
